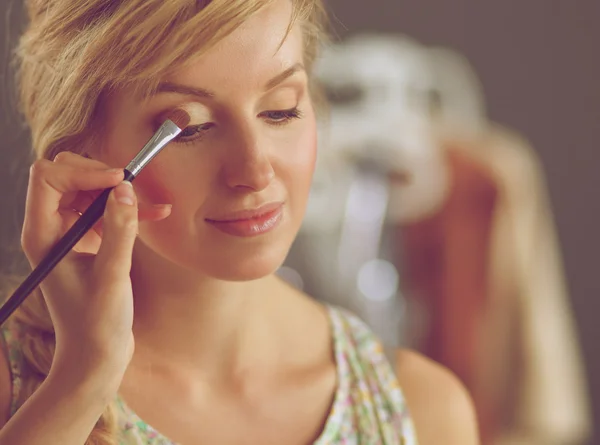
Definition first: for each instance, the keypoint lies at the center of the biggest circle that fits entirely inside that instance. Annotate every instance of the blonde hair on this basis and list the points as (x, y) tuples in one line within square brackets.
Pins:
[(74, 51)]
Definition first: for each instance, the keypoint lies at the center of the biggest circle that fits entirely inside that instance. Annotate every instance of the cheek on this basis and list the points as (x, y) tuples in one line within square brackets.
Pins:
[(152, 187), (151, 183), (312, 150), (302, 156), (180, 179)]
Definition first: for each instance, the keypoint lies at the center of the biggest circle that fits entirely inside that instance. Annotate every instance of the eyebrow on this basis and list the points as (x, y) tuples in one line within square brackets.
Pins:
[(284, 75), (170, 87)]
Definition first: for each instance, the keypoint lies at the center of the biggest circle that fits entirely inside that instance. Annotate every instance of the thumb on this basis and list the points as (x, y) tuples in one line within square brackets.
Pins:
[(120, 227)]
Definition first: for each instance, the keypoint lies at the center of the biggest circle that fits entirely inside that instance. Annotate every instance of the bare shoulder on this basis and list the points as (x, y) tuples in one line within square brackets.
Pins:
[(440, 406)]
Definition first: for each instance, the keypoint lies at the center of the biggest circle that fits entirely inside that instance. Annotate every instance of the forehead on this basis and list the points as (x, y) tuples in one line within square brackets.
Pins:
[(263, 46)]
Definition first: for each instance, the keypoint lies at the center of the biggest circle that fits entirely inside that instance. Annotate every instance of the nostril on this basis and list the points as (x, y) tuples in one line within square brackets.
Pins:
[(256, 175)]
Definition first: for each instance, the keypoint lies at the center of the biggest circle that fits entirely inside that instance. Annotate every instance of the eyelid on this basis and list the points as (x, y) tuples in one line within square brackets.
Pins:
[(181, 139), (291, 89), (199, 114)]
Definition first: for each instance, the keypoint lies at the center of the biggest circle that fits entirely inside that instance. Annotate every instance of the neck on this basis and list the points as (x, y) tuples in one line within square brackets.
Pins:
[(199, 324)]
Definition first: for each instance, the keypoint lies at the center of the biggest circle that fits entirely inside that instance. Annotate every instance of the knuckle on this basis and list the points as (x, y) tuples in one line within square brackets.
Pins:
[(27, 243), (64, 156), (39, 169), (129, 225), (122, 219)]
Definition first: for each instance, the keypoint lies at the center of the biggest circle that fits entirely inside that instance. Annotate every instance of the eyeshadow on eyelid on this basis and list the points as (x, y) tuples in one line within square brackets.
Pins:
[(199, 114)]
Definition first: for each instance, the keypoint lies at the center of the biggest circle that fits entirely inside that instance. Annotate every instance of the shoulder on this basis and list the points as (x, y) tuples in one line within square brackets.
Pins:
[(440, 406)]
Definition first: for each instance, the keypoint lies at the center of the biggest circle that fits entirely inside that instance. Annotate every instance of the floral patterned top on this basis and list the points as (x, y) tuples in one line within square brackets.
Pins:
[(368, 408)]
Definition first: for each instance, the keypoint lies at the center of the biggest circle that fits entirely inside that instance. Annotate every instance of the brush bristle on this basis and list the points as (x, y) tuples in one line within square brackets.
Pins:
[(180, 117)]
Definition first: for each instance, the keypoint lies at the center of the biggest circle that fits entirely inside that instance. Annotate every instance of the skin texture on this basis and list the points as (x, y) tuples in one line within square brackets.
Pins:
[(232, 348), (244, 160)]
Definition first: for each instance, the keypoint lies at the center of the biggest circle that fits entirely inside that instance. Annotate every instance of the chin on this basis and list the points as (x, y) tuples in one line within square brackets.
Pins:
[(219, 256), (245, 265), (221, 261)]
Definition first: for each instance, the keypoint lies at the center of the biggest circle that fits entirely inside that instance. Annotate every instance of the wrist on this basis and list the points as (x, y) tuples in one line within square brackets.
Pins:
[(91, 391), (87, 372), (64, 409), (93, 356)]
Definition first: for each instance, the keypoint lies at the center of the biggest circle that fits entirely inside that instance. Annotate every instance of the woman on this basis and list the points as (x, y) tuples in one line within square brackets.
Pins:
[(225, 353)]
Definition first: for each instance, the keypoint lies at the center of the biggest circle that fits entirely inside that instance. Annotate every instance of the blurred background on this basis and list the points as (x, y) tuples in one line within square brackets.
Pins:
[(453, 206)]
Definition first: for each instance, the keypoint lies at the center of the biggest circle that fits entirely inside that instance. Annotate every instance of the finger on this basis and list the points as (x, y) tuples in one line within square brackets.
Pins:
[(80, 202), (48, 182), (113, 261), (78, 206), (89, 243), (77, 160), (156, 212), (91, 240), (146, 212)]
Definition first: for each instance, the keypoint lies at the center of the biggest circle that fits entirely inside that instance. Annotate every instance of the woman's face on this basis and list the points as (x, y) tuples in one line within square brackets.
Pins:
[(238, 177)]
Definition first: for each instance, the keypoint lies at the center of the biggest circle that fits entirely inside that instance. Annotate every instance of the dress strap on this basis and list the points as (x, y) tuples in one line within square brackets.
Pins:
[(390, 353), (10, 335)]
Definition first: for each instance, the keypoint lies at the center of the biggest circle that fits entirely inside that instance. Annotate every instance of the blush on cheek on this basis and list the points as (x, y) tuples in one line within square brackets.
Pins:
[(312, 150), (151, 186), (305, 156)]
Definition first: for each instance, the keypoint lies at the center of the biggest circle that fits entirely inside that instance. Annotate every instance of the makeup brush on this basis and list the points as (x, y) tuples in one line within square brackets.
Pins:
[(175, 123)]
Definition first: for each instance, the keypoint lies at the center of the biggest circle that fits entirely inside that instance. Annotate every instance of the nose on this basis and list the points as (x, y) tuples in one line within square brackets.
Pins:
[(247, 164)]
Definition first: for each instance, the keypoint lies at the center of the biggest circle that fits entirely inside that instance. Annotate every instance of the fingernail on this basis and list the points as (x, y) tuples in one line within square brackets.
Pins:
[(162, 206), (114, 170), (124, 193)]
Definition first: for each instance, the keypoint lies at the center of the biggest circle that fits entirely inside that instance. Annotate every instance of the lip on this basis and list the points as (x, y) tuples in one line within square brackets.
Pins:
[(241, 215), (249, 223)]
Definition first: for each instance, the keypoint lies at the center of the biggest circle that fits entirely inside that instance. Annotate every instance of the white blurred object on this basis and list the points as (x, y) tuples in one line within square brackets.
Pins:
[(457, 94), (378, 163), (378, 280), (291, 276), (378, 88)]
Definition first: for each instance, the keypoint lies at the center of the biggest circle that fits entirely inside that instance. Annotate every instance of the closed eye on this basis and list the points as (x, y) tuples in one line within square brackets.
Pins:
[(193, 132), (281, 117)]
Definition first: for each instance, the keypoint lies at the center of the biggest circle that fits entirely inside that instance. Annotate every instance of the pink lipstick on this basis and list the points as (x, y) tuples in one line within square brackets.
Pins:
[(249, 223)]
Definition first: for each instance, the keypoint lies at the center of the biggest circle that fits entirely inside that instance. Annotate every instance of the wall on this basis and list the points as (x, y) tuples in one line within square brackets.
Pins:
[(540, 67)]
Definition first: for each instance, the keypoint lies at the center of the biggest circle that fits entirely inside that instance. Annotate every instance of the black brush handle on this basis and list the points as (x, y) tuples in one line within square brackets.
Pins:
[(85, 222)]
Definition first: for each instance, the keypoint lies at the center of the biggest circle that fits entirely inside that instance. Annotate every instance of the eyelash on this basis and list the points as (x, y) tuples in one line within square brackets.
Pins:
[(284, 116), (274, 117)]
